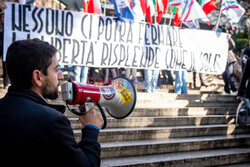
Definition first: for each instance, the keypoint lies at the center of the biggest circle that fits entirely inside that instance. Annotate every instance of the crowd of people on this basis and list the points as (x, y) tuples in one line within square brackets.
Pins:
[(151, 79)]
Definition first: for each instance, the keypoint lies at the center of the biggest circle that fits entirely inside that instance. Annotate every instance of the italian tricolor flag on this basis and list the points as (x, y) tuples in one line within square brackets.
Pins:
[(92, 6), (207, 6), (177, 17), (150, 11), (192, 11), (161, 8)]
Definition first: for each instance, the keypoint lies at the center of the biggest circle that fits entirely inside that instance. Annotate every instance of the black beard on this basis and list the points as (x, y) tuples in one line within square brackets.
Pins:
[(51, 96)]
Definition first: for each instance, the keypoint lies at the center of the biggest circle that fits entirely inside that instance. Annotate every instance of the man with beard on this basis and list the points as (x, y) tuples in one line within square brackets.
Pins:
[(33, 132)]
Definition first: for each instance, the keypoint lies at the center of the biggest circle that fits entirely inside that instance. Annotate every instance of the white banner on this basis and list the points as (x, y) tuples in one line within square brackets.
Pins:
[(99, 41)]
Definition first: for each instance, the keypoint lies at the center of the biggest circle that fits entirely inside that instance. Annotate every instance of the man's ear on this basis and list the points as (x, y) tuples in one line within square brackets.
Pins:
[(37, 78)]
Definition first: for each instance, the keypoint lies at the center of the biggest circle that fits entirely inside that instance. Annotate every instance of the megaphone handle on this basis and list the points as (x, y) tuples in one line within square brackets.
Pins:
[(103, 115), (100, 108)]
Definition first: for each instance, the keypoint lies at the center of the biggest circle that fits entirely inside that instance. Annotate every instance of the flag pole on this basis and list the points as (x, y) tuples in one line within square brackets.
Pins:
[(165, 21), (105, 6), (218, 21), (170, 20)]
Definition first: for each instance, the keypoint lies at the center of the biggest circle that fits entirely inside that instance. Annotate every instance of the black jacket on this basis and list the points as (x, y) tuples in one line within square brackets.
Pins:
[(243, 88), (34, 133)]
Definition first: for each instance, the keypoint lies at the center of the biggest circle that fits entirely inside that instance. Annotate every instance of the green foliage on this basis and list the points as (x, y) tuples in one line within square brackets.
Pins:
[(243, 35), (242, 41), (241, 44)]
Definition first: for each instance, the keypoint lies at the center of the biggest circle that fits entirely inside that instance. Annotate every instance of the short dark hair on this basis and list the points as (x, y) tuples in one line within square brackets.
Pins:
[(25, 56)]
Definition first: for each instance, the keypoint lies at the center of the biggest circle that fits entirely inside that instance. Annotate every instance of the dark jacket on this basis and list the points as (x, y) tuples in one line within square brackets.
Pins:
[(244, 56), (243, 88), (35, 133)]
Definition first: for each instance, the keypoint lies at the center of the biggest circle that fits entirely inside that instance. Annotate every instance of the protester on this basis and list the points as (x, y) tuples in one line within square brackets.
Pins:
[(180, 82), (168, 80), (106, 75), (169, 74), (69, 68), (228, 73), (244, 56), (201, 79), (246, 31), (5, 77), (134, 74), (244, 87), (81, 74), (35, 133), (151, 80)]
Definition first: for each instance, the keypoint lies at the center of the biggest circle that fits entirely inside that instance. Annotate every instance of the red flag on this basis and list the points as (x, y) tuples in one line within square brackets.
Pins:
[(130, 4), (207, 6), (165, 5), (91, 8), (144, 6)]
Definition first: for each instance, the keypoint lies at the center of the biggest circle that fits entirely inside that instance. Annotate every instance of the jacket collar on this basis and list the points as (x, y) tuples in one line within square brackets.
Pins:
[(17, 91)]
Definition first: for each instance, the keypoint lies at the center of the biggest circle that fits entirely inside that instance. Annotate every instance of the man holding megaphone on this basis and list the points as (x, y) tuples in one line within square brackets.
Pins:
[(33, 132)]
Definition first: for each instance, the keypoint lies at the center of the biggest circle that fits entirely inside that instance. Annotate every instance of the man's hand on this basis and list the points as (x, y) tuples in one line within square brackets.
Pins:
[(92, 117)]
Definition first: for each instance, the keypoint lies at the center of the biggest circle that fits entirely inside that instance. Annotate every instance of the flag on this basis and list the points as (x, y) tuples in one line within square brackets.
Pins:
[(165, 5), (191, 10), (176, 3), (92, 6), (137, 10), (160, 10), (193, 24), (86, 5), (130, 2), (206, 20), (122, 9), (176, 10), (177, 17), (232, 10), (144, 6), (207, 6), (97, 6), (150, 10)]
